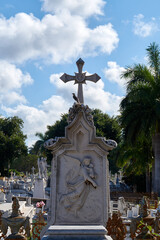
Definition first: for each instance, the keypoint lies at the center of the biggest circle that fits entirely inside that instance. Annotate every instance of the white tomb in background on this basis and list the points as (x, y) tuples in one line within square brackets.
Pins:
[(39, 188), (80, 176), (40, 182)]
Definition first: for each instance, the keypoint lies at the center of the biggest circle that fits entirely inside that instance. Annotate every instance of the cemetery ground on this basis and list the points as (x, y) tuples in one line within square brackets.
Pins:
[(129, 211)]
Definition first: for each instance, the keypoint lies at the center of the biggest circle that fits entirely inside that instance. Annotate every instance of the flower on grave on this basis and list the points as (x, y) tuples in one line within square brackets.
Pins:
[(1, 189), (40, 204)]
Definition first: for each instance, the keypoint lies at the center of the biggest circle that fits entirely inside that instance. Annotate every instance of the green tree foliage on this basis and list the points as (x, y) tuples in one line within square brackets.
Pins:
[(109, 128), (25, 163), (38, 148), (106, 126), (134, 159), (57, 129), (140, 109), (12, 141), (141, 106)]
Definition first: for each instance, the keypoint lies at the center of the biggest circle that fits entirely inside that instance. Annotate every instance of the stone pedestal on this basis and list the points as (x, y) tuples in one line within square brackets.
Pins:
[(62, 232), (14, 237)]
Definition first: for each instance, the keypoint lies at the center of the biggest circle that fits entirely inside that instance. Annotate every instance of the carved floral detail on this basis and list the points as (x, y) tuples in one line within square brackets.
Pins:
[(76, 108)]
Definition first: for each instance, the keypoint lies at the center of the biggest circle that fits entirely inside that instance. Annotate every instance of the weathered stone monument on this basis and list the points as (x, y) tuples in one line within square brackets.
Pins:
[(39, 188), (42, 167), (80, 173), (40, 182), (2, 196)]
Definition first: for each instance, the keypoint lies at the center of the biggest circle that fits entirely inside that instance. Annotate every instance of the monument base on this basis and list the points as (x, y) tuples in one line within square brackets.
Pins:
[(61, 232)]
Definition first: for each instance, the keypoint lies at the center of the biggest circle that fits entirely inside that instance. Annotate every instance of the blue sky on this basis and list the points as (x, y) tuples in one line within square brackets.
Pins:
[(42, 39)]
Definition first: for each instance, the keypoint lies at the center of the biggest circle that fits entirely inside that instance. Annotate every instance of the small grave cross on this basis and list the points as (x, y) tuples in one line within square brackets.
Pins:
[(80, 78)]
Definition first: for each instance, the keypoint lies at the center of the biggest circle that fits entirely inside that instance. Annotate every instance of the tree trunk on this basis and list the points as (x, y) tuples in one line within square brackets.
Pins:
[(156, 149), (153, 176), (148, 183)]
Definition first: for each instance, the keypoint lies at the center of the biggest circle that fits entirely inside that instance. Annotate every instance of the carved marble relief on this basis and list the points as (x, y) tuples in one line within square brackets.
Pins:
[(79, 188), (78, 184), (76, 108)]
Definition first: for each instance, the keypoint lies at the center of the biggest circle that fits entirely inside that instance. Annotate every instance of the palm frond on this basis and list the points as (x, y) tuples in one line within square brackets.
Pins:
[(153, 53), (137, 74), (137, 117)]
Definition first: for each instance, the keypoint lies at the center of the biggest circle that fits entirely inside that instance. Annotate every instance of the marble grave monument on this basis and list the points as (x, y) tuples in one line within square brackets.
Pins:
[(80, 192)]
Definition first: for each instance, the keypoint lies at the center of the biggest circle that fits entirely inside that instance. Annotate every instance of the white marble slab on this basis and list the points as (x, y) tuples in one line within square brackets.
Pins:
[(62, 232)]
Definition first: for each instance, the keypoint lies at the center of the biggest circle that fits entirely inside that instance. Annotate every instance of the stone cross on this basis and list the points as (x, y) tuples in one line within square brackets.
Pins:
[(80, 78)]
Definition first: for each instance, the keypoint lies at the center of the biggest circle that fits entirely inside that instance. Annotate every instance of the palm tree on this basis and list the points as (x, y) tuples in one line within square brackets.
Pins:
[(134, 160), (140, 108), (38, 147)]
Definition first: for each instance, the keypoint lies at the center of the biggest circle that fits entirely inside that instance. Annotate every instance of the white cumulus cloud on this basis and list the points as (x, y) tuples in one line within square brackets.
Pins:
[(142, 28), (12, 77), (113, 73), (102, 39), (56, 38), (83, 8), (11, 81), (12, 97), (37, 119)]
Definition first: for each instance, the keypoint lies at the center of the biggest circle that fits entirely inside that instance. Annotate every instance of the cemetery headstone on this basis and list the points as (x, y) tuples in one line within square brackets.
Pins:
[(80, 174), (2, 196), (28, 201), (5, 184), (9, 197), (135, 211), (122, 206), (39, 188)]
